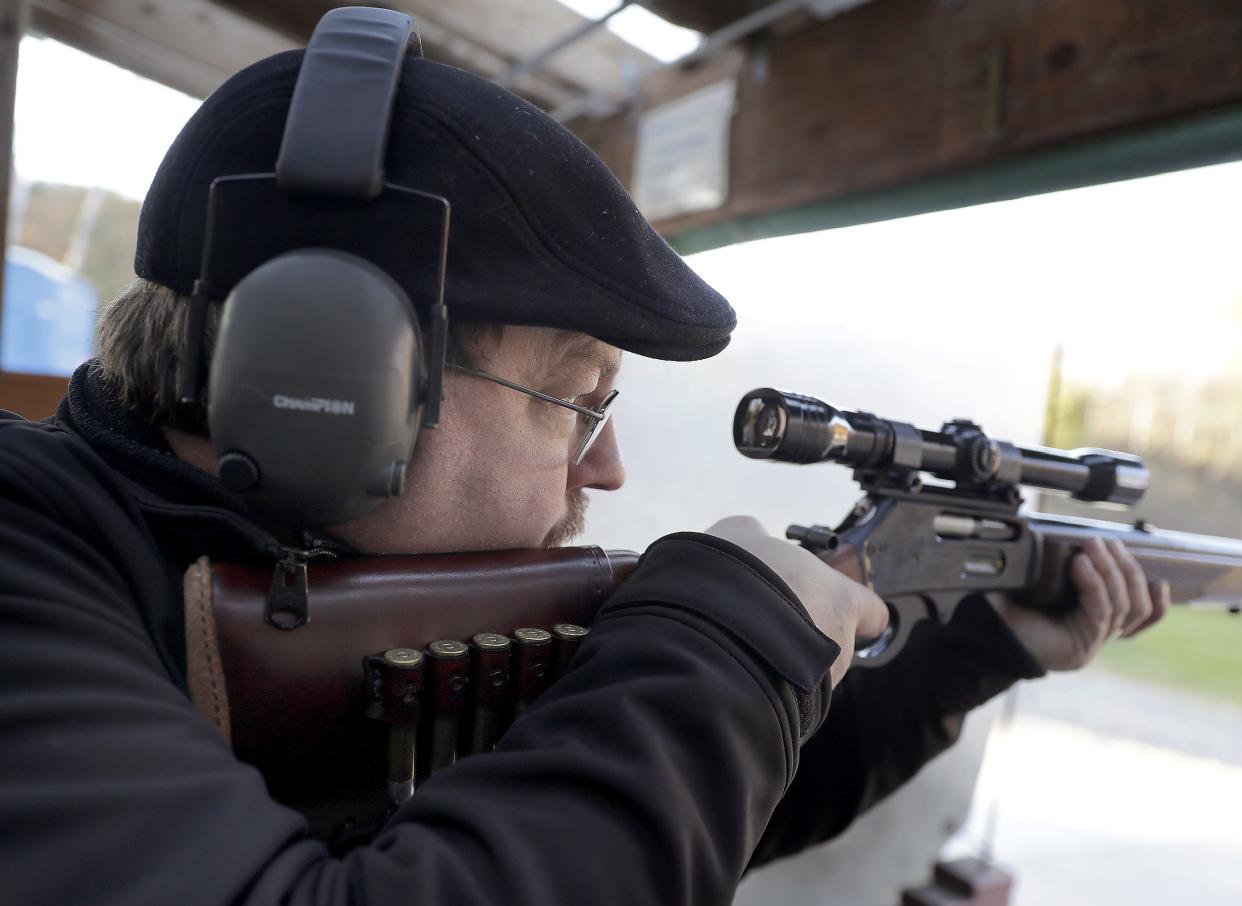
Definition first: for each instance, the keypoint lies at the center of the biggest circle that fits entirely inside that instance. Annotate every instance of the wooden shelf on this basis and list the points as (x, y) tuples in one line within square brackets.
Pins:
[(34, 396)]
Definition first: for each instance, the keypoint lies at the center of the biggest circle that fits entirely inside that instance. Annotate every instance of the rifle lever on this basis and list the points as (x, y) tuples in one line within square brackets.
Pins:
[(818, 539)]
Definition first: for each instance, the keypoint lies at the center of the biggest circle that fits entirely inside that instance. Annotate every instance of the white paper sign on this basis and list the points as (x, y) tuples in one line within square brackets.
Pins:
[(682, 159)]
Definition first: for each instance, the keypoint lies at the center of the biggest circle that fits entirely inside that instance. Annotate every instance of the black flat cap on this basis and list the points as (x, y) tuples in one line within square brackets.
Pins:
[(542, 233)]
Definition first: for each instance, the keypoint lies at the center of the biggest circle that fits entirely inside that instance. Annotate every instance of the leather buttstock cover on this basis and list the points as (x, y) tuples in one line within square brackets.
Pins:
[(291, 702), (204, 673)]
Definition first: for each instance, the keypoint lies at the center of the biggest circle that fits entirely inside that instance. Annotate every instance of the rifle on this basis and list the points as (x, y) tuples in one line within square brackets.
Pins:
[(346, 682), (924, 547)]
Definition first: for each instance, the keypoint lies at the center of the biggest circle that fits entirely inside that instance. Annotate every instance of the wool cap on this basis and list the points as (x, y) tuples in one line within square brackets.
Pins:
[(541, 232)]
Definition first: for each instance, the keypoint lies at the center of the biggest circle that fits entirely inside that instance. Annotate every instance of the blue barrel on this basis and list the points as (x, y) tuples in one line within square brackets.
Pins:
[(49, 315)]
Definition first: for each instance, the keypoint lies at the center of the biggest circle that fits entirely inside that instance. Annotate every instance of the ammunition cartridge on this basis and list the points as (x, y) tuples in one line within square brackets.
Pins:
[(566, 637), (489, 692), (448, 677), (396, 684), (532, 651)]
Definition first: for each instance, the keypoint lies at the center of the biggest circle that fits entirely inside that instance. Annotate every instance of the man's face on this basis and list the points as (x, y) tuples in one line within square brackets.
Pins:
[(498, 471)]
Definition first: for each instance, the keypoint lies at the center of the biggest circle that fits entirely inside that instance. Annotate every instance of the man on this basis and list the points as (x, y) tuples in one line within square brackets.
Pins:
[(692, 735)]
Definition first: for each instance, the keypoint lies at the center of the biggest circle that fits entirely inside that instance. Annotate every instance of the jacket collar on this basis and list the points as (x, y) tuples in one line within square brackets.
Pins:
[(172, 489)]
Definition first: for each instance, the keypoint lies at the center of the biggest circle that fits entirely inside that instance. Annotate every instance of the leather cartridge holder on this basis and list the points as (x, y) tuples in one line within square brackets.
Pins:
[(293, 702)]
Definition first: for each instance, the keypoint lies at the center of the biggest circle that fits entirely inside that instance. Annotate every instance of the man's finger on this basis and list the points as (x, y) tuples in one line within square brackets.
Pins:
[(732, 528), (1161, 599), (1136, 587), (1105, 564), (1094, 617)]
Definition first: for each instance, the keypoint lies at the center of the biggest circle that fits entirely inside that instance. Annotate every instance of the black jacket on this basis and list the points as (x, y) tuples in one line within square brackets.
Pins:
[(688, 741)]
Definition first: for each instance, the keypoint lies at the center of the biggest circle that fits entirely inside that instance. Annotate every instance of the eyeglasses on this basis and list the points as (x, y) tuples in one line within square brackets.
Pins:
[(594, 419)]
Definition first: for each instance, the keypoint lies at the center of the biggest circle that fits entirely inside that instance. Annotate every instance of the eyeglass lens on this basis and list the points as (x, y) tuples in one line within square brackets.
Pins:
[(595, 427)]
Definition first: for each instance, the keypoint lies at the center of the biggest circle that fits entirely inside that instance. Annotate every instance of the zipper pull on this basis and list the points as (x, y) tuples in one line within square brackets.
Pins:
[(316, 548), (287, 601)]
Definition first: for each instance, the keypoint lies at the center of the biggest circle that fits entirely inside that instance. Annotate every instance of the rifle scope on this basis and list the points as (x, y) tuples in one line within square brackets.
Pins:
[(790, 427)]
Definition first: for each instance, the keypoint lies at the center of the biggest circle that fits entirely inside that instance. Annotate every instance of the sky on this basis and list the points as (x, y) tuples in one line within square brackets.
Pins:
[(84, 121), (643, 28), (1134, 276)]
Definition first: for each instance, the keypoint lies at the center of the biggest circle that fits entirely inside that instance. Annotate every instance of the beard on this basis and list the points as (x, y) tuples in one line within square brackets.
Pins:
[(571, 524)]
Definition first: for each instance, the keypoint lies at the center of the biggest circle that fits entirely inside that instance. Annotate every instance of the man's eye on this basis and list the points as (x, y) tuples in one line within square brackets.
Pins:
[(555, 417), (583, 398)]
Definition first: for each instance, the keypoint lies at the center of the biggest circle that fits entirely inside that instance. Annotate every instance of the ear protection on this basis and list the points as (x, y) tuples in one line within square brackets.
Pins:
[(321, 374)]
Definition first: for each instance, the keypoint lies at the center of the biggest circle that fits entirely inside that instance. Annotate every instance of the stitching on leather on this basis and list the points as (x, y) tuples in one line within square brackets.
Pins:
[(211, 671)]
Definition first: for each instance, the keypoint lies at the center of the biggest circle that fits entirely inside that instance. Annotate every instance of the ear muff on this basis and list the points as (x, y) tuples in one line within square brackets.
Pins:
[(314, 388), (320, 378)]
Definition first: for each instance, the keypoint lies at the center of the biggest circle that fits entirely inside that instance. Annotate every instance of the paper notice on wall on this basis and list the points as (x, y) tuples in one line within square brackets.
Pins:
[(682, 159)]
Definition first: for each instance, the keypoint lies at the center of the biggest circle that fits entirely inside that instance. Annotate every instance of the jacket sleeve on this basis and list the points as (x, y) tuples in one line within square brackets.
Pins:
[(887, 722), (646, 775)]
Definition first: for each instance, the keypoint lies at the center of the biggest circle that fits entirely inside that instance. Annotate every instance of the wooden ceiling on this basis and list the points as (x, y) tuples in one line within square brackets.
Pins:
[(193, 45), (836, 99)]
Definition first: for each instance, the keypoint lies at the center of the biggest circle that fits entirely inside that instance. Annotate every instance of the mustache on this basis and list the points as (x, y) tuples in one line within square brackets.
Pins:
[(571, 524)]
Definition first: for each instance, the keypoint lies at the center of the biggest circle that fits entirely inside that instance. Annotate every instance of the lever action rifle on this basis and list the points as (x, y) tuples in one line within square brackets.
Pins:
[(346, 682)]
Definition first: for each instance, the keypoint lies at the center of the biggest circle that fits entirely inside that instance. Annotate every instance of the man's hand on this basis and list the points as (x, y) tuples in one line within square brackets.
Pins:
[(1114, 600), (841, 608)]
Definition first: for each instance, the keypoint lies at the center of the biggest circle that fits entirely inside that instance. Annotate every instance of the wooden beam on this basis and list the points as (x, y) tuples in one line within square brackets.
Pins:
[(517, 31), (32, 396), (897, 92), (13, 19), (190, 45), (296, 19), (484, 36), (193, 45), (1200, 140)]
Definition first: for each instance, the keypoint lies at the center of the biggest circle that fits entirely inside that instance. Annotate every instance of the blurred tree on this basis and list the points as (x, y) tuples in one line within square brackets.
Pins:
[(53, 209), (1066, 411)]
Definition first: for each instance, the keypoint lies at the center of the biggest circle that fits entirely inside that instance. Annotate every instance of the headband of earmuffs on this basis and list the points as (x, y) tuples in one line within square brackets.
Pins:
[(319, 379)]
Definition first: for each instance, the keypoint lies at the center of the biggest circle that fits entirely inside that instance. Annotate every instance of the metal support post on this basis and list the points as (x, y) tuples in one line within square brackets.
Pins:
[(536, 61), (14, 15)]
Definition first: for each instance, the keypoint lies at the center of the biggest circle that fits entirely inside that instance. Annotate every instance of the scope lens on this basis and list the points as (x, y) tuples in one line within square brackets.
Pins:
[(759, 425), (788, 427)]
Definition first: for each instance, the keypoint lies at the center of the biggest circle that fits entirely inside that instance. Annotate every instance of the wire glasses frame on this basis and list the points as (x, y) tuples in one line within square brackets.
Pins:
[(596, 419)]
